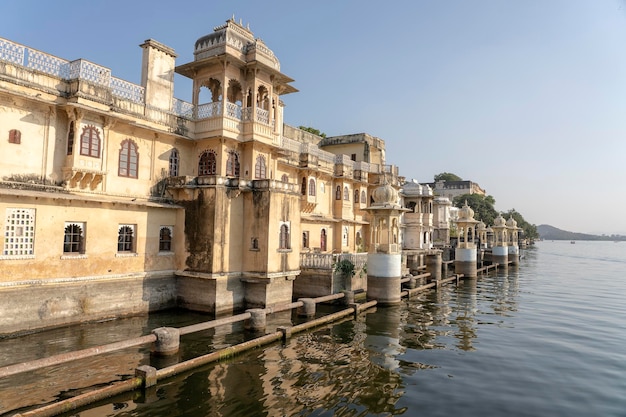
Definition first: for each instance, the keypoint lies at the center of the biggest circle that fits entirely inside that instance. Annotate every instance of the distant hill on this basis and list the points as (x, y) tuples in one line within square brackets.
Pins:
[(548, 232)]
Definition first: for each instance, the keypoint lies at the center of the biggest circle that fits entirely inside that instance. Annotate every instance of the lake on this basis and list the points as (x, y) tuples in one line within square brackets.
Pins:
[(545, 339)]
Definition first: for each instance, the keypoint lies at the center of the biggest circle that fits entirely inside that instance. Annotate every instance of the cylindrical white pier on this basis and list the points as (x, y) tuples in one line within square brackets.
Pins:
[(465, 262), (383, 277), (500, 256), (514, 255)]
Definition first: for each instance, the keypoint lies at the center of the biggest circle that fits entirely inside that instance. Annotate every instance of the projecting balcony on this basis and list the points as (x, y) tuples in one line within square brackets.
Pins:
[(308, 203), (232, 120)]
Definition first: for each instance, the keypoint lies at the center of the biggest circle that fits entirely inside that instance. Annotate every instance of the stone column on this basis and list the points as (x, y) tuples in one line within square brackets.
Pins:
[(513, 255), (257, 320), (383, 277), (348, 297), (465, 262), (308, 307), (500, 256), (433, 265), (168, 341)]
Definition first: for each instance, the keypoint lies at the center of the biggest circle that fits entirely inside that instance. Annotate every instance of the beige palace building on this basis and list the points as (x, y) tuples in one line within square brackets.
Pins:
[(119, 199)]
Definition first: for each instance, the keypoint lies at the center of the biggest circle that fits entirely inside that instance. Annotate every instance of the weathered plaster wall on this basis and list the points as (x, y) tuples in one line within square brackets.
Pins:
[(53, 303)]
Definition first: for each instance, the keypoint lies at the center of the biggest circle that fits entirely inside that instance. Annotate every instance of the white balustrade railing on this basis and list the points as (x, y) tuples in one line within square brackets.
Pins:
[(233, 110), (209, 110), (128, 91), (246, 114), (182, 108), (262, 116), (328, 260), (316, 260)]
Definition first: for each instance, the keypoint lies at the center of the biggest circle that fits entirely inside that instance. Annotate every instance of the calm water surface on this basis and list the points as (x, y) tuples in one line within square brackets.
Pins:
[(547, 339)]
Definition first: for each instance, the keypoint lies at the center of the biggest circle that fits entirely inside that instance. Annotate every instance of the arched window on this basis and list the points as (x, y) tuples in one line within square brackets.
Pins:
[(338, 193), (234, 93), (232, 164), (363, 197), (70, 138), (284, 237), (303, 186), (126, 238), (90, 142), (312, 187), (285, 178), (74, 238), (305, 239), (323, 240), (165, 239), (262, 100), (207, 164), (356, 196), (15, 136), (259, 168), (174, 160), (129, 159), (344, 236), (346, 193)]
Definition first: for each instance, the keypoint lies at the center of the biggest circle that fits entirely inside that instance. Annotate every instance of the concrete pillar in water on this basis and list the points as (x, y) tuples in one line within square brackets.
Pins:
[(148, 375), (465, 262), (500, 256), (411, 283), (168, 341), (308, 307), (412, 262), (383, 277), (348, 297), (514, 255), (433, 265), (257, 320)]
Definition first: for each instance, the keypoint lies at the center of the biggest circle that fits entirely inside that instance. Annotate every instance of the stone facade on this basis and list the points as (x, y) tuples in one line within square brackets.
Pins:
[(118, 198)]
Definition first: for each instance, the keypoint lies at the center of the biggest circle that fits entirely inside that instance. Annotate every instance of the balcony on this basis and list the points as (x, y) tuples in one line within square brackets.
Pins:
[(81, 80)]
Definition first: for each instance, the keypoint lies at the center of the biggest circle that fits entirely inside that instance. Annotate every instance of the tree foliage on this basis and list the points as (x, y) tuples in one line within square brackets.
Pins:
[(447, 176), (345, 267), (530, 230), (483, 206), (312, 130)]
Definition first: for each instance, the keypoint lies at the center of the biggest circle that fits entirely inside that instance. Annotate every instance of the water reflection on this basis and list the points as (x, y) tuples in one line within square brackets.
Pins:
[(465, 314), (351, 368)]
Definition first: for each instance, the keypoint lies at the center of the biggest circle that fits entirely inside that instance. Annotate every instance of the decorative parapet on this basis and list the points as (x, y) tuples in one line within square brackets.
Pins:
[(231, 182), (390, 169), (328, 260), (85, 79), (344, 160)]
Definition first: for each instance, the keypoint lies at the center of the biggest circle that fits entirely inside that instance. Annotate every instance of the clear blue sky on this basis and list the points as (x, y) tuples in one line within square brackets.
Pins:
[(526, 98)]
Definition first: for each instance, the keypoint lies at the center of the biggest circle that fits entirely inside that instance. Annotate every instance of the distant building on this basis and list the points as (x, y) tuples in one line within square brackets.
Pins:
[(417, 223), (453, 189)]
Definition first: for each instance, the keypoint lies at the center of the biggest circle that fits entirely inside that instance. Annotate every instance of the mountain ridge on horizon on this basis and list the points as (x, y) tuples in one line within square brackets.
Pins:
[(548, 232)]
